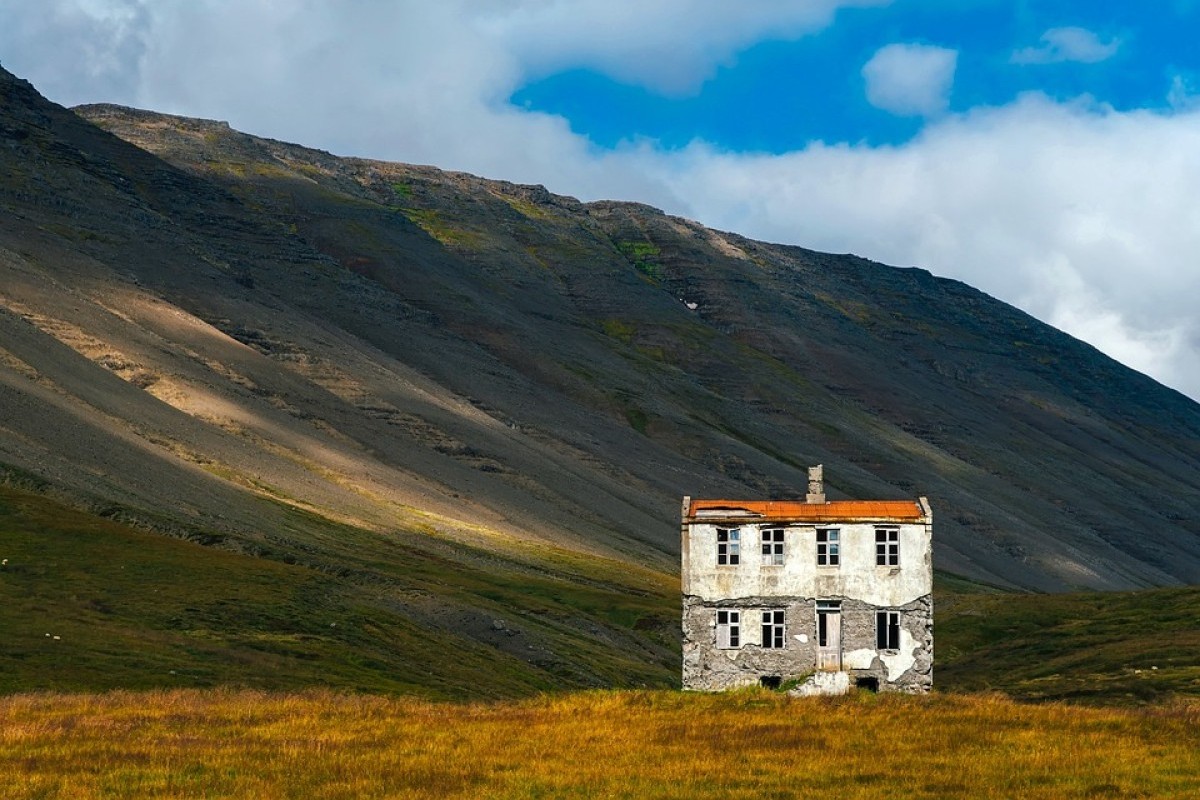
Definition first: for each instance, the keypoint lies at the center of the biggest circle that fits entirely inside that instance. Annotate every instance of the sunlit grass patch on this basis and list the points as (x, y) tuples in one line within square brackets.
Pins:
[(749, 744), (90, 604)]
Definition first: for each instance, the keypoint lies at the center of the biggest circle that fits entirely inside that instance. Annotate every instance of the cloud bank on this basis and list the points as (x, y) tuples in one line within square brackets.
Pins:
[(1080, 214), (670, 46)]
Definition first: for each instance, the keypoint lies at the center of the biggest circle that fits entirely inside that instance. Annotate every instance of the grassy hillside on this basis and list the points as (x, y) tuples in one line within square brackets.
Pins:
[(593, 744), (1106, 647), (89, 604)]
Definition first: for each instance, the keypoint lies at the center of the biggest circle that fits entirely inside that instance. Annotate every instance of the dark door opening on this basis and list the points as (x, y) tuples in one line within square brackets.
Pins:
[(770, 681)]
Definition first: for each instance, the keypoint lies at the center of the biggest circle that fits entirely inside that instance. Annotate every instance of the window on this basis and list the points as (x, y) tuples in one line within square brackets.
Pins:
[(772, 629), (772, 548), (829, 547), (729, 629), (729, 546), (887, 630), (887, 547)]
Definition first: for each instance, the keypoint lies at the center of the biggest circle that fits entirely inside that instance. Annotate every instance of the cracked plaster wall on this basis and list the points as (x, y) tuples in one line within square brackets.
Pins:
[(862, 588)]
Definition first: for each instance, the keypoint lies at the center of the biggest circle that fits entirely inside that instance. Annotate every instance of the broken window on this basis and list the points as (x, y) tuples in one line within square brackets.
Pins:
[(772, 548), (887, 547), (729, 546), (829, 547), (887, 630), (772, 628), (729, 629)]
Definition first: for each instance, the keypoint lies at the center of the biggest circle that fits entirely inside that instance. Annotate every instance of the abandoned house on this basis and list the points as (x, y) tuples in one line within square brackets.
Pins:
[(823, 595)]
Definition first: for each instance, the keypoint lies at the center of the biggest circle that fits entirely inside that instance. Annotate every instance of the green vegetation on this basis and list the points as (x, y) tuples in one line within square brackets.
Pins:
[(852, 309), (311, 170), (526, 208), (638, 420), (275, 171), (1099, 647), (236, 169), (655, 353), (89, 604), (431, 221), (644, 256), (632, 744), (619, 329)]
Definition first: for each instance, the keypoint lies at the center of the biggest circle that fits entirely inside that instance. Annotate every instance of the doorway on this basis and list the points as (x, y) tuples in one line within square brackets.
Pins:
[(829, 635)]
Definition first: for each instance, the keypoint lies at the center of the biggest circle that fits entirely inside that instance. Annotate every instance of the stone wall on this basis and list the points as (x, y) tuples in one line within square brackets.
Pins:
[(707, 667)]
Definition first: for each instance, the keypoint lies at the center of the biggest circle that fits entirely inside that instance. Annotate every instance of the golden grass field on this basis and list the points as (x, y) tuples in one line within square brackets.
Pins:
[(615, 744)]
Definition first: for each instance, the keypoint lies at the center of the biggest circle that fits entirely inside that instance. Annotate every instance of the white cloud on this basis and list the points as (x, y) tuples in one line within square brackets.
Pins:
[(1068, 44), (910, 79), (671, 46), (1080, 214)]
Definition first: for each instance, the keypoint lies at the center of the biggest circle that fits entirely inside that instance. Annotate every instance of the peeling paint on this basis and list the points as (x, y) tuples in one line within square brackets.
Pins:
[(831, 609)]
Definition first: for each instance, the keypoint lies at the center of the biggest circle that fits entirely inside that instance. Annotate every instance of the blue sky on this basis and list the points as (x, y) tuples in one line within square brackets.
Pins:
[(778, 95), (1047, 153)]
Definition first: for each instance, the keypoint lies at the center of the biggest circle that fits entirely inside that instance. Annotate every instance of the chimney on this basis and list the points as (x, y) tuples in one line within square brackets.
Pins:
[(816, 484)]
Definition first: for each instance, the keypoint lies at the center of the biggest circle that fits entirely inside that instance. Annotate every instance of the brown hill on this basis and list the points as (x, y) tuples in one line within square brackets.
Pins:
[(239, 339)]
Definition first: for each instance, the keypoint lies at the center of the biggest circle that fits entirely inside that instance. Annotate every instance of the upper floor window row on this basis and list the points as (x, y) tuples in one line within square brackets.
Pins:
[(829, 543)]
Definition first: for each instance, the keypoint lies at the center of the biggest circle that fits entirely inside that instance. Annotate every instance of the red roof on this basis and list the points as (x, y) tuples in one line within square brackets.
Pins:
[(793, 510)]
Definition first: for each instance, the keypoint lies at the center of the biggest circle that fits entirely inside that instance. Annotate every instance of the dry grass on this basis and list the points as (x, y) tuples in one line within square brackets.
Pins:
[(596, 744)]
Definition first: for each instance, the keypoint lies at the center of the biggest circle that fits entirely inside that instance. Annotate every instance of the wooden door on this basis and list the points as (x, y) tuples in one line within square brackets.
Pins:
[(829, 637)]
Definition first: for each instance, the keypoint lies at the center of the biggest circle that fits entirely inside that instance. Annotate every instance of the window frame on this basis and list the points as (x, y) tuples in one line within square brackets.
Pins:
[(729, 630), (829, 547), (887, 631), (774, 629), (887, 547), (729, 547), (772, 540)]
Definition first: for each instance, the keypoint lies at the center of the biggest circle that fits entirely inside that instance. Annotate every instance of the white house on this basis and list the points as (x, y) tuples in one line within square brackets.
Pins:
[(829, 595)]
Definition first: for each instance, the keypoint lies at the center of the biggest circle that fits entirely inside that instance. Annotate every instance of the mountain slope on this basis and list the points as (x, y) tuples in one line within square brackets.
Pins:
[(1050, 464), (237, 339), (122, 393)]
